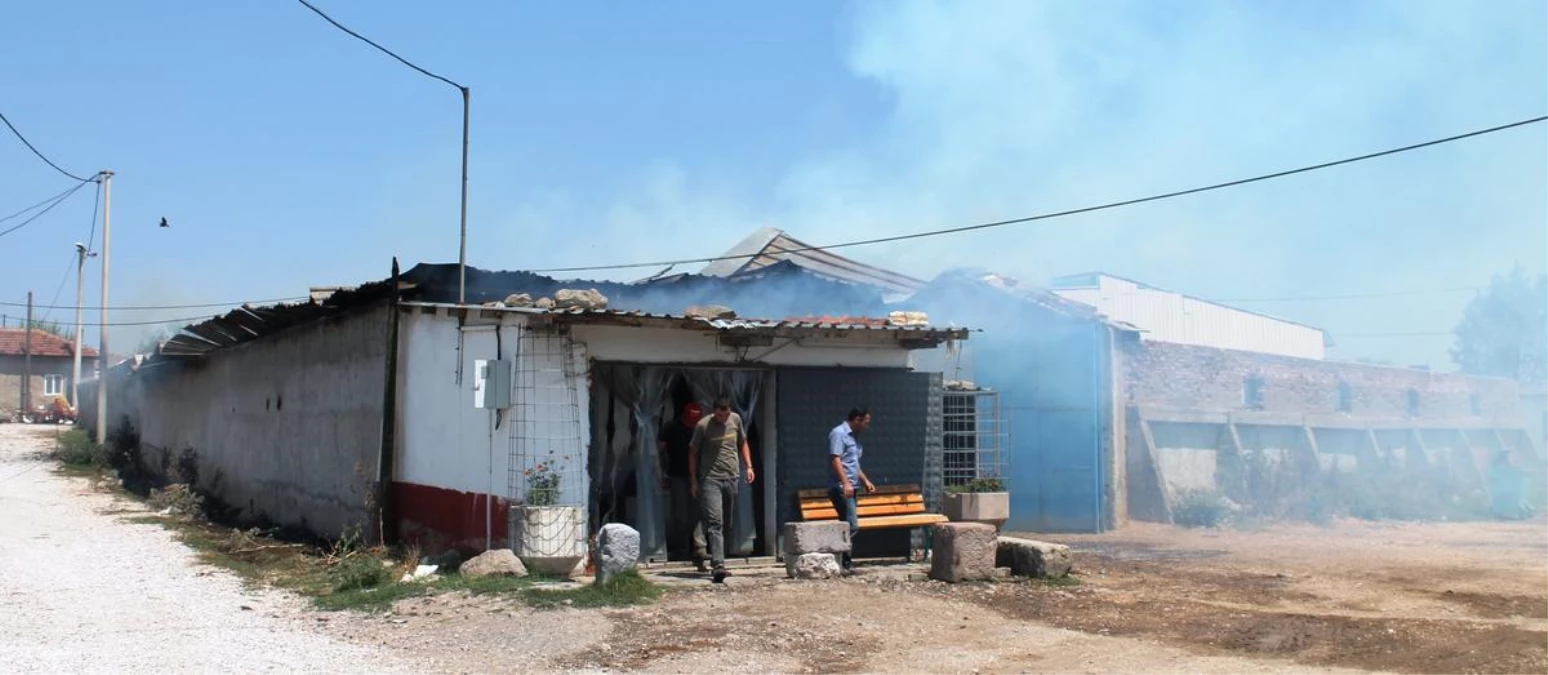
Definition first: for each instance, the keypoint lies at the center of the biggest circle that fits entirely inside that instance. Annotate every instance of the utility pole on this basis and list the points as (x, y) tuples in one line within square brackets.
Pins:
[(462, 255), (102, 352), (80, 299), (26, 388)]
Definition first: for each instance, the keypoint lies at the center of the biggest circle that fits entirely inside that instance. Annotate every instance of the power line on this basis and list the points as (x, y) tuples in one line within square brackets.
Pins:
[(50, 207), (74, 256), (156, 307), (1353, 296), (1070, 212), (34, 206), (35, 150), (368, 41), (1337, 336)]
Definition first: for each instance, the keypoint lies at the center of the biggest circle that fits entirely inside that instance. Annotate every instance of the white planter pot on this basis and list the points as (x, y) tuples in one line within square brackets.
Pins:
[(549, 539), (978, 507)]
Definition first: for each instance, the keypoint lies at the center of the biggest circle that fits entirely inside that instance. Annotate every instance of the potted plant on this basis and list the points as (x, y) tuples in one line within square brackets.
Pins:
[(550, 538), (983, 500)]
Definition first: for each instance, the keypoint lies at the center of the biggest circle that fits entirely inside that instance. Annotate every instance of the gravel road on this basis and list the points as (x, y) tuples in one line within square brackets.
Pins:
[(83, 591)]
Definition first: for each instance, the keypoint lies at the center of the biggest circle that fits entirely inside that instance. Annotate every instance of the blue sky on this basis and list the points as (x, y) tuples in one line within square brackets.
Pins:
[(287, 155)]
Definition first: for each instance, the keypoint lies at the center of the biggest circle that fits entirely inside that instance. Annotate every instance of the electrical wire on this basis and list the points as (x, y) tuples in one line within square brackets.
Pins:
[(74, 257), (384, 50), (163, 307), (35, 151), (50, 207), (1337, 336), (34, 206), (1070, 212)]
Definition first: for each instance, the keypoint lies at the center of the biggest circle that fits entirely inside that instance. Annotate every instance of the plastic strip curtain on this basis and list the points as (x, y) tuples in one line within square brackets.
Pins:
[(743, 387), (651, 384)]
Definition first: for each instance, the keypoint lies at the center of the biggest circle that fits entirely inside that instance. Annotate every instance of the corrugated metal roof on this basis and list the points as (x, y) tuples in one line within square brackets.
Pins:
[(803, 324), (770, 246)]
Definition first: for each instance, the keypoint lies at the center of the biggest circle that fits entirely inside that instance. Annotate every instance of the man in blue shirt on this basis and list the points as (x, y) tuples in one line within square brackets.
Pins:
[(848, 478)]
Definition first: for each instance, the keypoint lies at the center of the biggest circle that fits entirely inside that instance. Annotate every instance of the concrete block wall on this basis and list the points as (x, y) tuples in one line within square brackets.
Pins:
[(1204, 378), (286, 428)]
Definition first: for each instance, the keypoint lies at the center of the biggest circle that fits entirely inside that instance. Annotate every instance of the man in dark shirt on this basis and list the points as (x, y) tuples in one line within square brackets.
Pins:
[(684, 527)]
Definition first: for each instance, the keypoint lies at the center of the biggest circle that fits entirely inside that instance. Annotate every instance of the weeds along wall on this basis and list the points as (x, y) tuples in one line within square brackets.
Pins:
[(283, 429)]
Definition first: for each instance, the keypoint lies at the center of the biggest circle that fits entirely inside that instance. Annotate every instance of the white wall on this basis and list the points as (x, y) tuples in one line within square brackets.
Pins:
[(673, 345), (1172, 317)]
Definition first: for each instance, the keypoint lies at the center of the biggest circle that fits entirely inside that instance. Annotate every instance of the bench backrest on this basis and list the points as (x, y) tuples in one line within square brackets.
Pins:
[(888, 500)]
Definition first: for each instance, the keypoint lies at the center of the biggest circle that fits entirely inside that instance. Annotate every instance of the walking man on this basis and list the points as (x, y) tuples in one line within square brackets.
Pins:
[(848, 478), (719, 450), (674, 443)]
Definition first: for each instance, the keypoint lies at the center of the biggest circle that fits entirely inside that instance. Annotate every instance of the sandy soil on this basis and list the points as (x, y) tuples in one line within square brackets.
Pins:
[(1412, 598)]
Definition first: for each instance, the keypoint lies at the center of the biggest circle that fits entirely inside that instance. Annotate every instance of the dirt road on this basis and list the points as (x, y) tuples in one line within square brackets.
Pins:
[(82, 589)]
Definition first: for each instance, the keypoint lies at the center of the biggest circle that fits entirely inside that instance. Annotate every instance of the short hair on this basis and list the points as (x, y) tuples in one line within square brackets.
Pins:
[(723, 402), (857, 412)]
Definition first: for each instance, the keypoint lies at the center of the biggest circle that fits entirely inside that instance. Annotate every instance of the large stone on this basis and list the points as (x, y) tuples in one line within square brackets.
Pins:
[(518, 300), (1032, 558), (498, 561), (823, 536), (618, 550), (571, 298), (963, 552), (812, 566), (710, 312), (544, 303)]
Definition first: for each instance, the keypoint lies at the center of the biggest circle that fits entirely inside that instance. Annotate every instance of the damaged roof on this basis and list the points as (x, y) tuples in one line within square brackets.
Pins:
[(782, 327), (770, 246), (250, 322)]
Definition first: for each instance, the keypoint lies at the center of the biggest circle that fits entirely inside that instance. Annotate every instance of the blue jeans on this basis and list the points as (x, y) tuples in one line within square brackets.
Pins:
[(848, 512)]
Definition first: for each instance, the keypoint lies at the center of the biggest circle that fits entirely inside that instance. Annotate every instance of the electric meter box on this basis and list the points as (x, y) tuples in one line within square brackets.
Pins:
[(493, 389)]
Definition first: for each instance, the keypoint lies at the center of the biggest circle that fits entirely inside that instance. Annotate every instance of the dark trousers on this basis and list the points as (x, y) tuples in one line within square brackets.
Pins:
[(717, 499), (850, 513)]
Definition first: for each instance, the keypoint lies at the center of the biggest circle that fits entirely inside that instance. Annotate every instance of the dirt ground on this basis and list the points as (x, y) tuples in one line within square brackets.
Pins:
[(1356, 596)]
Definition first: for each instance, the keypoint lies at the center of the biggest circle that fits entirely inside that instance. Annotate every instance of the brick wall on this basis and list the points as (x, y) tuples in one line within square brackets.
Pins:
[(12, 368), (1204, 378)]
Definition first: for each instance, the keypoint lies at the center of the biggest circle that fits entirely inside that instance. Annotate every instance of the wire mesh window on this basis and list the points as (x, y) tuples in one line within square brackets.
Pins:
[(974, 437)]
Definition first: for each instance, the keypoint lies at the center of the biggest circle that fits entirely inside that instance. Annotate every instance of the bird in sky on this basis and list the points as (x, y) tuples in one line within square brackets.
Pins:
[(164, 222)]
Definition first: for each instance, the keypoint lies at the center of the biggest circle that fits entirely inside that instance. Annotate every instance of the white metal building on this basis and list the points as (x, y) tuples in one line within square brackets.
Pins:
[(1167, 316)]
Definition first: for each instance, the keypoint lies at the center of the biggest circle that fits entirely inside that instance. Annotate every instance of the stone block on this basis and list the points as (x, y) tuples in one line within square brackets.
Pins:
[(618, 550), (812, 566), (823, 536), (572, 298), (498, 561), (1002, 573), (1032, 558), (963, 552)]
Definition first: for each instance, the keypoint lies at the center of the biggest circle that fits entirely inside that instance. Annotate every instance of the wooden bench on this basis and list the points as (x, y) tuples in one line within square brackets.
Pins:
[(888, 507)]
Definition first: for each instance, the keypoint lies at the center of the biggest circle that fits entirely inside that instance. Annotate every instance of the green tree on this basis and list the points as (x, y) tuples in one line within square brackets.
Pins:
[(54, 327), (1504, 330)]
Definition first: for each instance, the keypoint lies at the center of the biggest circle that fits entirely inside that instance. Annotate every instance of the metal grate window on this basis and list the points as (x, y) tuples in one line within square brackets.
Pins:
[(973, 436)]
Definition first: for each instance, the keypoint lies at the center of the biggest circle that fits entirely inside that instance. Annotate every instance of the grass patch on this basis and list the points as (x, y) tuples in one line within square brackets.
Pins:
[(625, 589), (377, 599), (494, 584), (76, 450)]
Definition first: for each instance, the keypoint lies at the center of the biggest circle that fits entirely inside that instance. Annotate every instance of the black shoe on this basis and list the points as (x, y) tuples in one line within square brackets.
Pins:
[(719, 575), (700, 565)]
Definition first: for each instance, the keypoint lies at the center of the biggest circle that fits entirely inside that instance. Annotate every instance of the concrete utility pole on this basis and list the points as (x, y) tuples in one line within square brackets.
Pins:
[(102, 352), (26, 387), (462, 247), (80, 299)]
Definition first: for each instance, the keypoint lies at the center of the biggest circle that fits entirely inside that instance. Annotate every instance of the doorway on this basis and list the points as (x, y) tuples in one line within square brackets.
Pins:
[(632, 406)]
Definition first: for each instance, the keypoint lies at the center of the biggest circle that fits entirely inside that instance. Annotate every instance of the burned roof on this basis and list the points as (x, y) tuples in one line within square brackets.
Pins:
[(780, 327), (13, 342), (770, 246), (250, 322)]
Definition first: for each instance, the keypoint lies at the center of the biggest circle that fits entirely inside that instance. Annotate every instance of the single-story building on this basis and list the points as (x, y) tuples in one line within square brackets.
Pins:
[(392, 408), (52, 364)]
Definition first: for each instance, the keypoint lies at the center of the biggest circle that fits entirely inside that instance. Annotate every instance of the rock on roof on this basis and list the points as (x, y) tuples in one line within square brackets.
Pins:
[(13, 343)]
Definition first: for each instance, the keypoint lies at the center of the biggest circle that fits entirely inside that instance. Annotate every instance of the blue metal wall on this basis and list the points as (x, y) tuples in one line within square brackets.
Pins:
[(1053, 375)]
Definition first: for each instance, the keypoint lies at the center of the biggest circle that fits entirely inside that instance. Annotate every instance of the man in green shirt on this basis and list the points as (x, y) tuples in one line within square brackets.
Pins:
[(717, 453)]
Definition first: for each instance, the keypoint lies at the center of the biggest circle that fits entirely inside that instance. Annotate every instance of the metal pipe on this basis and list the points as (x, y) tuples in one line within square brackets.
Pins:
[(103, 361), (462, 253)]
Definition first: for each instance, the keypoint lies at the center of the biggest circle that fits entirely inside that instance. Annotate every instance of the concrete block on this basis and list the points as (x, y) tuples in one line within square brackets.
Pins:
[(1032, 558), (1002, 573), (825, 536), (812, 566), (963, 552), (618, 550)]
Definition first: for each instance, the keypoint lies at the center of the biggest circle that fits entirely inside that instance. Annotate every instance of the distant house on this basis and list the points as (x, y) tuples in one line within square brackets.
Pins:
[(1168, 316), (53, 360)]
